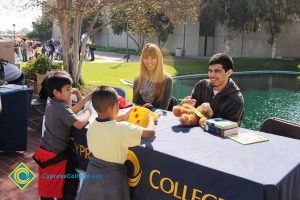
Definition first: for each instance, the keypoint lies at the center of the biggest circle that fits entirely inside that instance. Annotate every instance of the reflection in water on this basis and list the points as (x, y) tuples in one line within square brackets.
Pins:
[(275, 102), (265, 82), (265, 96)]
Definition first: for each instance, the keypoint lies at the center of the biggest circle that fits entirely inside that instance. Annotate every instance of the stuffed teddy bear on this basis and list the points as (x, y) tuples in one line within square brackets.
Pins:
[(190, 116)]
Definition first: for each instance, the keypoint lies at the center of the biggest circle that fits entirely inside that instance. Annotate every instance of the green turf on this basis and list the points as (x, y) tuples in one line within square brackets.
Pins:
[(111, 73)]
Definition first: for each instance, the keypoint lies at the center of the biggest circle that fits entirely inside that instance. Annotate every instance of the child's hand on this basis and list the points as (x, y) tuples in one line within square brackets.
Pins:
[(151, 118), (126, 115), (88, 110), (75, 91), (123, 117)]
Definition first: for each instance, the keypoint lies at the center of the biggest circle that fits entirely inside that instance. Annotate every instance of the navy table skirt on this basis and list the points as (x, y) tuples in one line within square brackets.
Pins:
[(14, 118)]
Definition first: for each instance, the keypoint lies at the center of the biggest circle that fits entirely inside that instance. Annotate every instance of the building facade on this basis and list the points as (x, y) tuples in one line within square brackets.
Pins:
[(197, 42)]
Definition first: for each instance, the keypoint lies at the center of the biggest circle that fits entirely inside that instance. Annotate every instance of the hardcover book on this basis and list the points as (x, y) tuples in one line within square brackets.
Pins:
[(222, 132), (221, 123)]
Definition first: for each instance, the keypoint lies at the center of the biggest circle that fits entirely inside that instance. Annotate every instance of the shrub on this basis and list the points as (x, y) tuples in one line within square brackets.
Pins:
[(41, 65)]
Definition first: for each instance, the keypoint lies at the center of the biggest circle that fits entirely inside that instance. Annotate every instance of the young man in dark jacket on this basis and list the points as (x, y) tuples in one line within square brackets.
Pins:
[(219, 90)]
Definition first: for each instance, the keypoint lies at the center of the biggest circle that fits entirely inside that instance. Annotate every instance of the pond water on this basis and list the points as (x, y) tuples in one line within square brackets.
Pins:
[(265, 95)]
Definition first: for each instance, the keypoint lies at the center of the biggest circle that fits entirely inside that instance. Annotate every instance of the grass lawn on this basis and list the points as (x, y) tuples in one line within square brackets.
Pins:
[(95, 74), (110, 73)]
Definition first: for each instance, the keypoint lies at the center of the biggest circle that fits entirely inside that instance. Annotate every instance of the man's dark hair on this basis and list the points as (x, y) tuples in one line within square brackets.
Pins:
[(103, 98), (57, 79), (223, 59)]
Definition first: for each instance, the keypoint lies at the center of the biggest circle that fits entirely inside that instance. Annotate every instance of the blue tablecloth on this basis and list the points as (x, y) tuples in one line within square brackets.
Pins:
[(14, 118), (188, 163)]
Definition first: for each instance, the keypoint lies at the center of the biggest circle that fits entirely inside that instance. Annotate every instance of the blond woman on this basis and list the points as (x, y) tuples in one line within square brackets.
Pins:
[(152, 85)]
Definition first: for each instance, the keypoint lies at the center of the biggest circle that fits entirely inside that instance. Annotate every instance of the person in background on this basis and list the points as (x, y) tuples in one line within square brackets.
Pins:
[(51, 49), (43, 50), (24, 47), (92, 50), (36, 51), (60, 52), (152, 85), (54, 153), (16, 49), (31, 52), (220, 91), (110, 148), (11, 73)]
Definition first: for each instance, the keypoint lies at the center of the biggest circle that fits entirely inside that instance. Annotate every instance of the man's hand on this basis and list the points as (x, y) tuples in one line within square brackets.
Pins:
[(189, 101), (206, 109)]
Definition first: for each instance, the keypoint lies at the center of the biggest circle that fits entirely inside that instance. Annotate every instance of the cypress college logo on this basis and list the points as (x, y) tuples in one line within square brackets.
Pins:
[(22, 176), (134, 178)]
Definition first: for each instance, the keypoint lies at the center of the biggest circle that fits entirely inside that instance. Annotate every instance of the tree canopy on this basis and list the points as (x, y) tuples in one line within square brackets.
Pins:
[(42, 29), (153, 18)]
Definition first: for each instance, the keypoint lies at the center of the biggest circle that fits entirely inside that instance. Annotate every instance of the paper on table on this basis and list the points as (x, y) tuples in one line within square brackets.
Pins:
[(87, 105), (247, 138), (13, 86)]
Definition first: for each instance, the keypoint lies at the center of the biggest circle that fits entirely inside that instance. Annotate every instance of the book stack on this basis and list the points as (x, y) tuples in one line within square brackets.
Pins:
[(221, 127)]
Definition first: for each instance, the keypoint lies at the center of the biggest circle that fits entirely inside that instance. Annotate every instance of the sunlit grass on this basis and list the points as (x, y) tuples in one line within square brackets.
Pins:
[(95, 74)]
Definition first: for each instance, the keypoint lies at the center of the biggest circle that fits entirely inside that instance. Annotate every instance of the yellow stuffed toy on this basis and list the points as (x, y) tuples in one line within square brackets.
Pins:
[(190, 116)]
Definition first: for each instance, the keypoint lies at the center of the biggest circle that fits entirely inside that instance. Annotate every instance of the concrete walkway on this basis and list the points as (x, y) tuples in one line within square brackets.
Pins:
[(113, 57)]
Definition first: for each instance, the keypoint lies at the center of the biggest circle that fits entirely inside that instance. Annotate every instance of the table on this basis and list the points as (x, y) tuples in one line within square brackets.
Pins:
[(14, 118), (188, 163)]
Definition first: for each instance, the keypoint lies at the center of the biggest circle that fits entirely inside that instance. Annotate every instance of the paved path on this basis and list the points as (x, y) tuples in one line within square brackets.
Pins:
[(105, 57), (113, 57)]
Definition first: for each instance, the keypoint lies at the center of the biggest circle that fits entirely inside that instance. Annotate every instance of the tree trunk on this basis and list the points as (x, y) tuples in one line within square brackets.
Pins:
[(63, 17), (134, 40), (228, 38), (65, 40), (274, 48), (227, 42), (75, 50), (83, 47), (242, 47)]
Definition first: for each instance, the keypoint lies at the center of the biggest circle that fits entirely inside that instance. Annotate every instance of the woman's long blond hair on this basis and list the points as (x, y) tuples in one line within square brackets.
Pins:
[(159, 75)]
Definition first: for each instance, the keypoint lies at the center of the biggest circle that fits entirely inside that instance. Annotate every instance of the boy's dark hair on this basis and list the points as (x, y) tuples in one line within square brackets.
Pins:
[(103, 98), (57, 79), (223, 59)]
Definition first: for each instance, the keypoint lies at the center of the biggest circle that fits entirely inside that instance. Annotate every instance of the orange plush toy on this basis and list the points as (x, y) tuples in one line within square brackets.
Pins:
[(190, 116)]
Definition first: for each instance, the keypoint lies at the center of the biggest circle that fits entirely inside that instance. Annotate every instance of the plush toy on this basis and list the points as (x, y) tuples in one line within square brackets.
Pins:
[(190, 116)]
